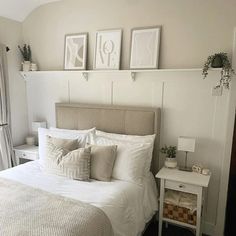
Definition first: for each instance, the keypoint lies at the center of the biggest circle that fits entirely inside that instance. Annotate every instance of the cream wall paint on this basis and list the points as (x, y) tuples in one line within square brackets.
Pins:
[(11, 35), (191, 30)]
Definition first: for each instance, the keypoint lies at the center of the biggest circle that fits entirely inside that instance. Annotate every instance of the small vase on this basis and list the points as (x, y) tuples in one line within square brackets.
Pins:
[(26, 65), (170, 163), (33, 67)]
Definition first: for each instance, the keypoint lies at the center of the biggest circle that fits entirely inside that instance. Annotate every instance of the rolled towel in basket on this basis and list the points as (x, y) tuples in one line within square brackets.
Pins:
[(189, 201)]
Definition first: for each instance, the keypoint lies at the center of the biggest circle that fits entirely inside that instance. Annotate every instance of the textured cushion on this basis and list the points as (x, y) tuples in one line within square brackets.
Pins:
[(81, 137), (102, 162), (61, 161)]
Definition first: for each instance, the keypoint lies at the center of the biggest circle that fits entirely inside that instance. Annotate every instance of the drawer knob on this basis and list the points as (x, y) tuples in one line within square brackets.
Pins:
[(24, 155), (181, 186)]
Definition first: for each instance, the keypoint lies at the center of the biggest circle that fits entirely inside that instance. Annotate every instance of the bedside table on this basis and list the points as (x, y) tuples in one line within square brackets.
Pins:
[(188, 182), (26, 152)]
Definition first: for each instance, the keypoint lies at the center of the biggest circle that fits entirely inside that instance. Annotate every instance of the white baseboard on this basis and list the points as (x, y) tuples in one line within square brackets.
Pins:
[(208, 229)]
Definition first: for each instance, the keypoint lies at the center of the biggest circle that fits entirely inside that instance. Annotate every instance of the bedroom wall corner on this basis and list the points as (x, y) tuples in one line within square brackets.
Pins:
[(11, 35)]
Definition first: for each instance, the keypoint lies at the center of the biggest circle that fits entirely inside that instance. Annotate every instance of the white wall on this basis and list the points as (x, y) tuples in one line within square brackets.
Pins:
[(11, 35), (188, 108), (191, 30)]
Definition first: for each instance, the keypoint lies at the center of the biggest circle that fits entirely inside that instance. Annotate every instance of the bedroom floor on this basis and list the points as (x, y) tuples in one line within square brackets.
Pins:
[(170, 231)]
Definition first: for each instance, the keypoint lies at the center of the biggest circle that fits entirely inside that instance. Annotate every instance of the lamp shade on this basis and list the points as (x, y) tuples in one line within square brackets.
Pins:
[(186, 144), (38, 124)]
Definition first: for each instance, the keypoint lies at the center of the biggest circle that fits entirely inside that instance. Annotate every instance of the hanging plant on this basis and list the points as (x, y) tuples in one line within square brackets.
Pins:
[(219, 60), (25, 52)]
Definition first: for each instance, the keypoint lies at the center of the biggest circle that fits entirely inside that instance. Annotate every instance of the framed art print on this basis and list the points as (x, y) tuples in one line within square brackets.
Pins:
[(107, 49), (75, 51), (145, 44)]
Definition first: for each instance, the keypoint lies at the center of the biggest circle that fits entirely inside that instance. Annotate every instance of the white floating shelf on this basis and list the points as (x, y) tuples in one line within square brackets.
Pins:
[(85, 73)]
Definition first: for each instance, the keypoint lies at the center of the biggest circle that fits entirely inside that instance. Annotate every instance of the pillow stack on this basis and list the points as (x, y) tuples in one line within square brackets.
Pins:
[(63, 156), (134, 154), (105, 156)]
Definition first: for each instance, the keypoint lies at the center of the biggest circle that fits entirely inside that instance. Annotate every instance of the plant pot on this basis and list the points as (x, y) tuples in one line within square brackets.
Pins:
[(170, 163), (217, 62), (26, 65)]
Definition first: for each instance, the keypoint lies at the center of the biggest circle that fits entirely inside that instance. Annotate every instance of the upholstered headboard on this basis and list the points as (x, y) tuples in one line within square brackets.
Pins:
[(112, 119)]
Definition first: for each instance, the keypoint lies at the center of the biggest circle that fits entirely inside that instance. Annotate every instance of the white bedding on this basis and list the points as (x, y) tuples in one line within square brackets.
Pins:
[(128, 206)]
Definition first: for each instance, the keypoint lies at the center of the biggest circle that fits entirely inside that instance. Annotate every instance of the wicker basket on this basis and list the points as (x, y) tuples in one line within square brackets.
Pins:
[(179, 214)]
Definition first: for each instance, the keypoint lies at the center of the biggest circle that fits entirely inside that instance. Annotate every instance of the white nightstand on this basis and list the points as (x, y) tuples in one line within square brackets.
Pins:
[(188, 182), (26, 152)]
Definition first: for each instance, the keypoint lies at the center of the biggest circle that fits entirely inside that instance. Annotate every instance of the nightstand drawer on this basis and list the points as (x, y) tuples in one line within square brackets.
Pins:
[(26, 155), (183, 187)]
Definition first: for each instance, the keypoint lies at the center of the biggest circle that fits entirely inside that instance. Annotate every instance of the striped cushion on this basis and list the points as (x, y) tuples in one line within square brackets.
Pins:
[(72, 164)]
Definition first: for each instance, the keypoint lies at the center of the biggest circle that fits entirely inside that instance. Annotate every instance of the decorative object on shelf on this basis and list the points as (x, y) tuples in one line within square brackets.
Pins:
[(197, 168), (170, 152), (206, 172), (26, 54), (108, 49), (33, 67), (219, 60), (186, 144), (145, 44), (75, 51)]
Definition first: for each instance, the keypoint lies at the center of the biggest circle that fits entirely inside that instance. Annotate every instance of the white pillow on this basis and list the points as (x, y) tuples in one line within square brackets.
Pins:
[(81, 136), (148, 139), (90, 132), (130, 163)]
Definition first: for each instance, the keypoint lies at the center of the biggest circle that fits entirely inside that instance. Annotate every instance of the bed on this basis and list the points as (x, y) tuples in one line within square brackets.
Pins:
[(128, 207)]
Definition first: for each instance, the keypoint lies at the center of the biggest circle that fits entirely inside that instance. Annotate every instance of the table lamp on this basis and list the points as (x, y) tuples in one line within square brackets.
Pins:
[(186, 144)]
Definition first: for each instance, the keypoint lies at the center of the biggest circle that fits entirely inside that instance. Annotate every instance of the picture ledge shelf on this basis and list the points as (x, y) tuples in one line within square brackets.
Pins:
[(85, 73)]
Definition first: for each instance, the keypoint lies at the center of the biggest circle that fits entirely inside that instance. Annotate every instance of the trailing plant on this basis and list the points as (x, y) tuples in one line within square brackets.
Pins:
[(226, 72), (170, 151), (25, 52)]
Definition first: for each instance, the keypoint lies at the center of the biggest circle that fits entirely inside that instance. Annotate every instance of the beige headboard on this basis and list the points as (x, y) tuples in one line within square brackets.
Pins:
[(112, 119)]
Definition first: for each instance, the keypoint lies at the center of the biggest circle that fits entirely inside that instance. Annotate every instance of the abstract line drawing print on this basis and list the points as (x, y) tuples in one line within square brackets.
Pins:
[(75, 51)]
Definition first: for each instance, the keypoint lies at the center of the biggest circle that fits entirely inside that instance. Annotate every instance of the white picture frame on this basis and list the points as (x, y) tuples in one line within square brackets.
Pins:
[(145, 46), (107, 50), (75, 57)]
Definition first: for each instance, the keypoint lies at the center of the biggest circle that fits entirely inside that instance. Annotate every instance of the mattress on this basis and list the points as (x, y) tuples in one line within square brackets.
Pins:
[(128, 206)]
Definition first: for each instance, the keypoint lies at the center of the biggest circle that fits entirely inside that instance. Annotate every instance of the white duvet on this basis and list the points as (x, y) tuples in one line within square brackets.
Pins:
[(128, 206)]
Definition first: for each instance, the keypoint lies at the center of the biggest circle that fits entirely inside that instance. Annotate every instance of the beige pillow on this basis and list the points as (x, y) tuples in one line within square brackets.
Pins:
[(102, 162), (72, 164)]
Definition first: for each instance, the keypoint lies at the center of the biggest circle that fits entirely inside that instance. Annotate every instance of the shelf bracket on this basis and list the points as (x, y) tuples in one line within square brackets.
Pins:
[(133, 75), (24, 75), (85, 75)]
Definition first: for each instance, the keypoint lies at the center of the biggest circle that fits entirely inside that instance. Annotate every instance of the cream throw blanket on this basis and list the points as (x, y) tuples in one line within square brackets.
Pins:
[(26, 211)]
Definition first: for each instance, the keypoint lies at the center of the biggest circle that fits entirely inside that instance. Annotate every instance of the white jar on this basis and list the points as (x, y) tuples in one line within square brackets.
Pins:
[(30, 140), (170, 163)]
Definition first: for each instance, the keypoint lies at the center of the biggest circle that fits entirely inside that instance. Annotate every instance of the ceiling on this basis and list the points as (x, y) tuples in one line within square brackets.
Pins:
[(19, 9)]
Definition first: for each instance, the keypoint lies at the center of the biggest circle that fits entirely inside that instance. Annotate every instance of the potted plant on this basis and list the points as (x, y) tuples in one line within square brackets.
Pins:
[(26, 54), (170, 152), (219, 60)]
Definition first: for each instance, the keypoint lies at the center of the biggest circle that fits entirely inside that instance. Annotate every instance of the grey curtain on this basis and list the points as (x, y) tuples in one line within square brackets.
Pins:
[(7, 158)]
